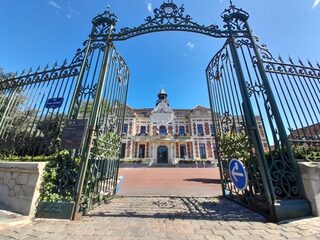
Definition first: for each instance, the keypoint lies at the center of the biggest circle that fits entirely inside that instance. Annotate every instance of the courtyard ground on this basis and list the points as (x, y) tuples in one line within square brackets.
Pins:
[(189, 209), (169, 182), (159, 218)]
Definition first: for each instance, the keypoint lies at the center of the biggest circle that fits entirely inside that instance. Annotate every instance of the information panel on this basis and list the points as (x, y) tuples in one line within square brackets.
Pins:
[(73, 134)]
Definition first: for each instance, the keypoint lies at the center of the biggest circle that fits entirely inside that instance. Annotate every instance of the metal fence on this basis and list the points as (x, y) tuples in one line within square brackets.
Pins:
[(296, 87), (34, 107)]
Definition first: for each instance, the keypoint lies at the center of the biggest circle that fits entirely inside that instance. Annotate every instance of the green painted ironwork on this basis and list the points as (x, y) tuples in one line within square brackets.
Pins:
[(27, 126), (243, 103), (104, 86), (250, 95)]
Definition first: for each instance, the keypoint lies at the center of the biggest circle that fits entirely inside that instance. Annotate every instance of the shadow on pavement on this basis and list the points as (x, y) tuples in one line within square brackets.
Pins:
[(204, 180), (219, 209)]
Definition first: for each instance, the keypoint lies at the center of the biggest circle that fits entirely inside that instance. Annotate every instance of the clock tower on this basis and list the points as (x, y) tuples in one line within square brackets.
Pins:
[(162, 114), (162, 97)]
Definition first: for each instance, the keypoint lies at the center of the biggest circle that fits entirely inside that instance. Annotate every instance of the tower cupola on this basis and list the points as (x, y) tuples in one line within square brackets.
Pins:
[(162, 97)]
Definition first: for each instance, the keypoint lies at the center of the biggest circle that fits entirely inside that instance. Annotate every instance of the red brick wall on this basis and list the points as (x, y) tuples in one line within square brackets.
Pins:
[(189, 146), (130, 128), (196, 149), (206, 128), (194, 129), (135, 150), (128, 149), (209, 149), (177, 150), (137, 129)]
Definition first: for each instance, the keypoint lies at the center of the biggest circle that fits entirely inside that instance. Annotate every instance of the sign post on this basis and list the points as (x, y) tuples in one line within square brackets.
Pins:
[(238, 174)]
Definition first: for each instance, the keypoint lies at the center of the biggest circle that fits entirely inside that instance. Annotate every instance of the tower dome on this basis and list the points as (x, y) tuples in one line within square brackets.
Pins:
[(162, 97)]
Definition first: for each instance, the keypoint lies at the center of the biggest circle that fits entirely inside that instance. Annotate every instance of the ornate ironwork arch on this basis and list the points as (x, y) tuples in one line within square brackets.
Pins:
[(169, 17)]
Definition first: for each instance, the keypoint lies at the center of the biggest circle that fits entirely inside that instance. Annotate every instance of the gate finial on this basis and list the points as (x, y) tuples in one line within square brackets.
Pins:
[(231, 3)]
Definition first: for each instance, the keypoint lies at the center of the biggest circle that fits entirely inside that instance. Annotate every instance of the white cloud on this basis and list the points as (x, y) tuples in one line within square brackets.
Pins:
[(190, 45), (149, 7), (315, 3), (71, 11), (54, 4)]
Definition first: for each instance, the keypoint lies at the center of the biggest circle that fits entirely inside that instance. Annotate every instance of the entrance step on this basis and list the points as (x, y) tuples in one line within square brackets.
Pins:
[(162, 165)]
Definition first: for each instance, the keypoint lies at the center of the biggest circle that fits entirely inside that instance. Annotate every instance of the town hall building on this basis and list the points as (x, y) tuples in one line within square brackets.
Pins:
[(168, 136)]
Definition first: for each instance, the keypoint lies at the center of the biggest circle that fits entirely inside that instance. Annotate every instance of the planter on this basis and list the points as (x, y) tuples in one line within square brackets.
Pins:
[(57, 210)]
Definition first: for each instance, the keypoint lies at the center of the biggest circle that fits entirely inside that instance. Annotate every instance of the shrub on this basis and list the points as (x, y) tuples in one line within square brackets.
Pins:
[(59, 178), (234, 145)]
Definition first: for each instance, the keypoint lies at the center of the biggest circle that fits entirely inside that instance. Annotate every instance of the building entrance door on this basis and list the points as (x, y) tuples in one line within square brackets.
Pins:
[(162, 154)]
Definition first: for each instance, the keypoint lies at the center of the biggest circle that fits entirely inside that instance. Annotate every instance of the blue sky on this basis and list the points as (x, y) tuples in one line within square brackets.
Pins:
[(37, 32)]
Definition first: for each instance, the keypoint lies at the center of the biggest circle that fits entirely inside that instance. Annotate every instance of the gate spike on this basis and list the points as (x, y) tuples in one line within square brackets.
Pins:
[(310, 64), (300, 61), (290, 60), (23, 71), (38, 68), (318, 65), (64, 62), (46, 67), (30, 70), (16, 73), (280, 59), (55, 65)]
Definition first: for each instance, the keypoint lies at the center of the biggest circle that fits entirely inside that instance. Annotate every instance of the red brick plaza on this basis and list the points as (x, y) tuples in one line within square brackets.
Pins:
[(170, 182)]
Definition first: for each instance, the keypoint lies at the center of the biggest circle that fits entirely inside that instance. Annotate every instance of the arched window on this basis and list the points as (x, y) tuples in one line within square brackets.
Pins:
[(163, 130)]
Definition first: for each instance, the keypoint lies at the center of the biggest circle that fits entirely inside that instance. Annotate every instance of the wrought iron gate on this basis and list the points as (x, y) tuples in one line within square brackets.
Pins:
[(249, 126), (101, 149), (35, 107), (246, 114), (101, 98)]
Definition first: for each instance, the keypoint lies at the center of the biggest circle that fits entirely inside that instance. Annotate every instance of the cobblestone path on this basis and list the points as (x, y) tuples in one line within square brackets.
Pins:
[(153, 218)]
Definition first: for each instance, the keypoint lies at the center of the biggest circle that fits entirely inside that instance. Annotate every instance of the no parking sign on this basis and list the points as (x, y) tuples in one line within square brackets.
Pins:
[(238, 174)]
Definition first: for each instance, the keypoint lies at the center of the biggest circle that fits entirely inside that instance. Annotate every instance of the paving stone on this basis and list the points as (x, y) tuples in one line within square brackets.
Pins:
[(213, 237), (160, 218)]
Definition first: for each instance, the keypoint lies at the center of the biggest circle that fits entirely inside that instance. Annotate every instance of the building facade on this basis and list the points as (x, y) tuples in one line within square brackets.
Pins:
[(168, 136)]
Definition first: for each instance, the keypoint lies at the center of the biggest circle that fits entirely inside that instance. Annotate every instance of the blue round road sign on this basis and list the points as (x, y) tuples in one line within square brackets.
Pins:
[(238, 174)]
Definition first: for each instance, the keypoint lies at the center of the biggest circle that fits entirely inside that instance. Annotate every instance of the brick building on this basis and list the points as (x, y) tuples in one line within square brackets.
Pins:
[(165, 135)]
